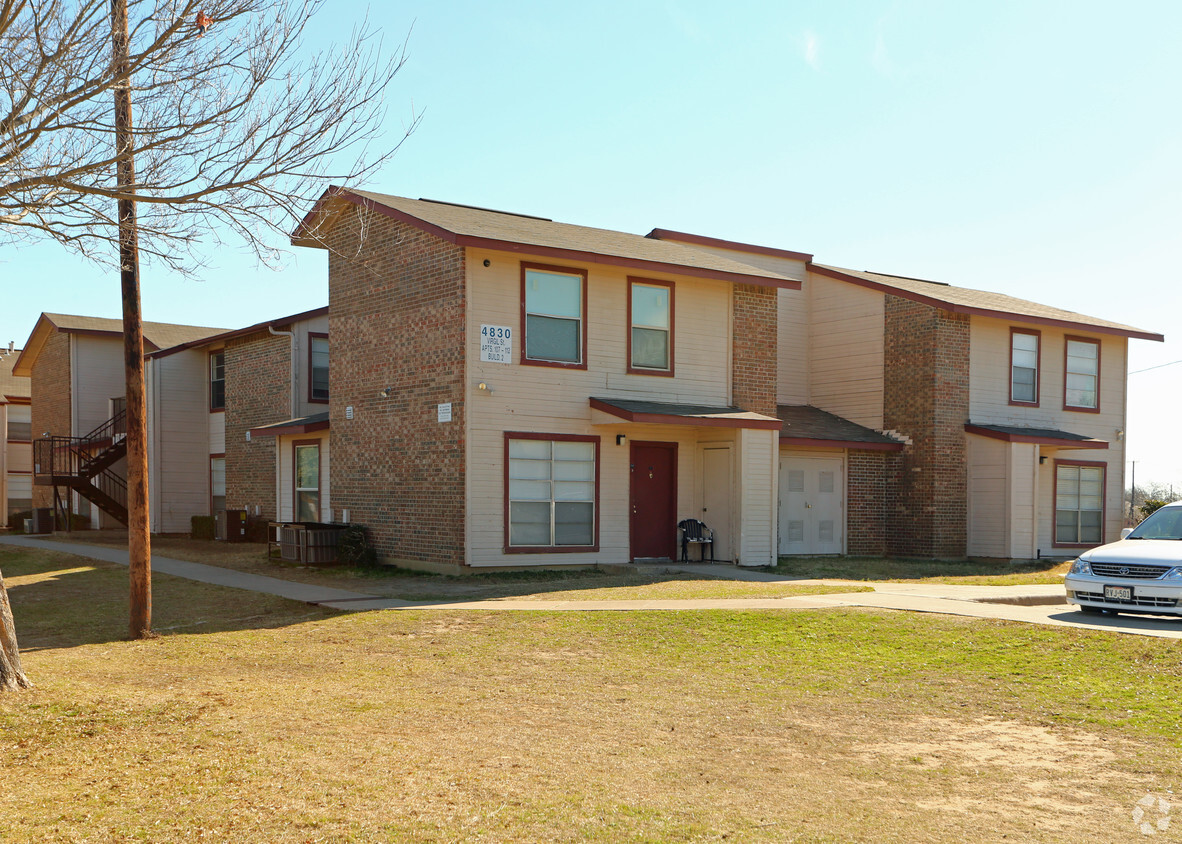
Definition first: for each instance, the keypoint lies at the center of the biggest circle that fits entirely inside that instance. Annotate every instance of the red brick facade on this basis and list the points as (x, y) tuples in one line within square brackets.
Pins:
[(397, 312), (754, 349), (258, 392), (50, 392), (926, 398), (866, 502)]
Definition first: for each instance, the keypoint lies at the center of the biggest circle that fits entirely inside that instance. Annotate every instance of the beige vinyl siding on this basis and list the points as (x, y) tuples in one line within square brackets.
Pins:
[(97, 376), (988, 499), (1023, 471), (285, 488), (989, 381), (20, 486), (792, 373), (846, 354), (178, 441), (543, 399), (319, 325), (758, 457), (20, 457)]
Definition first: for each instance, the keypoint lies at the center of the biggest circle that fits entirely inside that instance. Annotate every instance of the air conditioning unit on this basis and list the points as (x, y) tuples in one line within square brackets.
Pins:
[(230, 525), (42, 520)]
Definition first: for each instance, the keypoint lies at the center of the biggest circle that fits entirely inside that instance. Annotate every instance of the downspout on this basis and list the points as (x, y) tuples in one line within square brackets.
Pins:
[(294, 388), (4, 463)]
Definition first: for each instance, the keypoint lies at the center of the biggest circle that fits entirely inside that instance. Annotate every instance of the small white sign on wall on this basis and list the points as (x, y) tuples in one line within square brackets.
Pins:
[(496, 344), (445, 412)]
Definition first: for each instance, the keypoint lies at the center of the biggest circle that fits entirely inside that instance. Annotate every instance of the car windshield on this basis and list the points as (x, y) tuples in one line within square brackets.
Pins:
[(1165, 523)]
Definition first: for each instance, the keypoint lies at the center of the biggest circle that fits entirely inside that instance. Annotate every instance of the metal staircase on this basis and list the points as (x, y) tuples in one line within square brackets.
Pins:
[(83, 464)]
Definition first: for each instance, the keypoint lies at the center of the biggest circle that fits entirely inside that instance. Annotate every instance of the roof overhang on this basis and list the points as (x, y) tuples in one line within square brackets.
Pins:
[(1036, 436), (661, 413), (310, 232), (816, 442), (951, 307), (290, 427), (218, 339)]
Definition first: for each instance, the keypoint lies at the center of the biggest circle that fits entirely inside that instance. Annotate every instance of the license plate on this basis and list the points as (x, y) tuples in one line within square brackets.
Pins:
[(1119, 593)]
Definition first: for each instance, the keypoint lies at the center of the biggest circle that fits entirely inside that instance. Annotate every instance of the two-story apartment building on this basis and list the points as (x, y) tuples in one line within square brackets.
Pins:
[(511, 391), (1006, 416), (77, 385), (234, 422), (16, 455)]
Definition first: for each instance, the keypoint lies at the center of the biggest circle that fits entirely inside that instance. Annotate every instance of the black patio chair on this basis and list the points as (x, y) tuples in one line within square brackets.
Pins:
[(694, 531)]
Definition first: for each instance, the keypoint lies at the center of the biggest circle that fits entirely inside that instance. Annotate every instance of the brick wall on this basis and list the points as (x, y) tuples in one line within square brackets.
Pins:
[(397, 310), (926, 397), (258, 392), (754, 349), (866, 502), (50, 392)]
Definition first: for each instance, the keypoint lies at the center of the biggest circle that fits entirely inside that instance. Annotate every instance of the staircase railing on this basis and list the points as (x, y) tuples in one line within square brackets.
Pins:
[(84, 464)]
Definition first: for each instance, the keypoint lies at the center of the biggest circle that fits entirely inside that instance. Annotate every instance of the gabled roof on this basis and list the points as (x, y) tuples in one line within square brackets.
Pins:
[(481, 227), (963, 300), (806, 425), (223, 336), (157, 335), (12, 386)]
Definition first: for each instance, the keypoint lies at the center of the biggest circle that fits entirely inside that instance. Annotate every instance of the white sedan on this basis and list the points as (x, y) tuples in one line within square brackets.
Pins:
[(1142, 573)]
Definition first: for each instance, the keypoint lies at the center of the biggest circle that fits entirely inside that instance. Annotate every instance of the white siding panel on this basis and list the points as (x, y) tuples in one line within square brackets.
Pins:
[(20, 457), (1023, 476), (759, 457), (179, 440), (97, 377), (846, 350), (20, 486), (988, 497)]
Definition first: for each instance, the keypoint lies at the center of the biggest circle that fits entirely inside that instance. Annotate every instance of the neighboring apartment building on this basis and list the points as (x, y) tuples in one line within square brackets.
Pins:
[(76, 372), (222, 408), (16, 456)]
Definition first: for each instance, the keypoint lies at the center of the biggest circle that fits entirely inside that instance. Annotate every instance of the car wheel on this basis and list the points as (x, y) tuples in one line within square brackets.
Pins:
[(1086, 610)]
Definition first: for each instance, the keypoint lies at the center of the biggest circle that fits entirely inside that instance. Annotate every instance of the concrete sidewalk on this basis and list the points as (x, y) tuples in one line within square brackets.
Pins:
[(1026, 604)]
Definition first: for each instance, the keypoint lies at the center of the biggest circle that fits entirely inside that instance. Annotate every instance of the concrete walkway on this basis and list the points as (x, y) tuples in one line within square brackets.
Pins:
[(1027, 604)]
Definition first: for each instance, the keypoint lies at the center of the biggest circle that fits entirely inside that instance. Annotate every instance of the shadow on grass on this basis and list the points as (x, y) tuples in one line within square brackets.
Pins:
[(60, 600), (883, 568)]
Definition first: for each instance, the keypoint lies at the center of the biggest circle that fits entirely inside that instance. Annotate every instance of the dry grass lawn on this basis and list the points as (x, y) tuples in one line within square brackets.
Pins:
[(258, 720)]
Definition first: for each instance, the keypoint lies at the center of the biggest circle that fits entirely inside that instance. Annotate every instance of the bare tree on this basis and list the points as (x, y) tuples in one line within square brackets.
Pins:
[(236, 130), (235, 134)]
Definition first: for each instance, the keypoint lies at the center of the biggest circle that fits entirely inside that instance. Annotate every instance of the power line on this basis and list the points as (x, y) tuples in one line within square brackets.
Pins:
[(1159, 366)]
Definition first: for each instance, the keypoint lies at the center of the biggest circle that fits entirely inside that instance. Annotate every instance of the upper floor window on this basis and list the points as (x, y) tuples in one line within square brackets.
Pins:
[(650, 327), (1081, 389), (554, 306), (1024, 365), (318, 367), (217, 380)]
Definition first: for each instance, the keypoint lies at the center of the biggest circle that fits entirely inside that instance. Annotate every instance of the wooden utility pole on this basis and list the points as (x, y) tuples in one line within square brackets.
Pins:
[(139, 550)]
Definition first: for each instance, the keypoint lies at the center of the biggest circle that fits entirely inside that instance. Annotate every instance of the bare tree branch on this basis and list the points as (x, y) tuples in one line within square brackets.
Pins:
[(236, 131)]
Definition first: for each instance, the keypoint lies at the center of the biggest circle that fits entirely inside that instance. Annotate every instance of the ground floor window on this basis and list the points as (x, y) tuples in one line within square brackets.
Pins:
[(217, 484), (1079, 503), (307, 482), (552, 491)]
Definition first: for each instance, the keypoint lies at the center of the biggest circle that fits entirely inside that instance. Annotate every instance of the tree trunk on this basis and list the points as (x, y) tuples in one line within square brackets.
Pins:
[(11, 676)]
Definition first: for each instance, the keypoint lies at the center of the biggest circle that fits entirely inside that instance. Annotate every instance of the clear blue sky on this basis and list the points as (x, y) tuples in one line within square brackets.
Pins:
[(1033, 148)]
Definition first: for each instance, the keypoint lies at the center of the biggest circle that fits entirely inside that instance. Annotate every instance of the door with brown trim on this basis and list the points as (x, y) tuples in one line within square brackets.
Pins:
[(654, 501)]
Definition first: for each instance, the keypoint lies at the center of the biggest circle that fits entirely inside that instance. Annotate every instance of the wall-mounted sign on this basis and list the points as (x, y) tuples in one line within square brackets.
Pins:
[(496, 344), (445, 412)]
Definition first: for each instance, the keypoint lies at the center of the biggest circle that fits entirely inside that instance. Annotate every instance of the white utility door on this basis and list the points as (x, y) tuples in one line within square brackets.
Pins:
[(812, 505), (717, 485)]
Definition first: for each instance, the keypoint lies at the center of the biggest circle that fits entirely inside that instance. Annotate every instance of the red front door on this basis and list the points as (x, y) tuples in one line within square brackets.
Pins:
[(654, 501)]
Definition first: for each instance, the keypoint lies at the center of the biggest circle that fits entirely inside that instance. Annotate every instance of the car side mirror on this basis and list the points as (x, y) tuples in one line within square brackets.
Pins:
[(1124, 532)]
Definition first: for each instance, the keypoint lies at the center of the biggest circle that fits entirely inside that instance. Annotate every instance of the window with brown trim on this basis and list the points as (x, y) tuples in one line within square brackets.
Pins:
[(1081, 381), (217, 380), (551, 492), (217, 483), (306, 481), (1025, 360), (554, 316), (1079, 503), (317, 367), (650, 327)]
